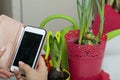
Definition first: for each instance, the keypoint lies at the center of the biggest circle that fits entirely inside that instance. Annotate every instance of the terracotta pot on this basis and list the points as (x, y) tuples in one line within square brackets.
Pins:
[(85, 61)]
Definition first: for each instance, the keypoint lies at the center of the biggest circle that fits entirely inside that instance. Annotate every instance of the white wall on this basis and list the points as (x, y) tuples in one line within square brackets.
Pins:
[(16, 9), (35, 11)]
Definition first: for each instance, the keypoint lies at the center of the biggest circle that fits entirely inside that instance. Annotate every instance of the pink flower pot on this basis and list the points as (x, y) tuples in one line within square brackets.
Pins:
[(85, 61)]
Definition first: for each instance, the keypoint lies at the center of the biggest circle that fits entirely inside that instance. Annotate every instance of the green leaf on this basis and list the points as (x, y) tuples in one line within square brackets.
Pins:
[(54, 51), (47, 45)]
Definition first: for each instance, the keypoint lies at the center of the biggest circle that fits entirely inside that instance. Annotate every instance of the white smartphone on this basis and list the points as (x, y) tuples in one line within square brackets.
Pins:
[(29, 47)]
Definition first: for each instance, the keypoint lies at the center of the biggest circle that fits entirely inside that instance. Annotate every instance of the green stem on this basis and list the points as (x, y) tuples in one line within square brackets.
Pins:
[(78, 10), (101, 12), (83, 21), (89, 12)]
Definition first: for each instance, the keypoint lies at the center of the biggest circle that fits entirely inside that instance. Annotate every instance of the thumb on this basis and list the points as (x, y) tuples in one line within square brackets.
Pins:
[(24, 67)]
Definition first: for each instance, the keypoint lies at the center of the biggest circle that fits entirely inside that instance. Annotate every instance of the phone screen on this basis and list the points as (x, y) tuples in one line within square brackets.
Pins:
[(28, 48)]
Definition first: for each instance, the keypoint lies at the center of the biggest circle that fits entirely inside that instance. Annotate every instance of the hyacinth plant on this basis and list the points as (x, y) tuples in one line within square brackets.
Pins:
[(56, 72), (84, 14), (81, 44)]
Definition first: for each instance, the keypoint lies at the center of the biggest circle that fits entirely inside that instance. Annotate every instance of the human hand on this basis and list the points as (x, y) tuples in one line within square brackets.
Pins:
[(40, 73), (5, 74)]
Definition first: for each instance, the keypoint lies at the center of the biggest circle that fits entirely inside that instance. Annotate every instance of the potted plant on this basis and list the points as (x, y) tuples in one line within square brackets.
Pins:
[(85, 50)]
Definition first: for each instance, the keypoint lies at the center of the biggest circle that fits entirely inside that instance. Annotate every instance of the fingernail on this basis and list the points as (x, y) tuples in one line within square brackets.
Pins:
[(21, 63), (15, 70), (12, 74), (2, 48)]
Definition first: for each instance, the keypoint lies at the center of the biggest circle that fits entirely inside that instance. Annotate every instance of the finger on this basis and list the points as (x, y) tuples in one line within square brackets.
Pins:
[(3, 76), (24, 67), (37, 64), (17, 75), (6, 73), (41, 63)]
